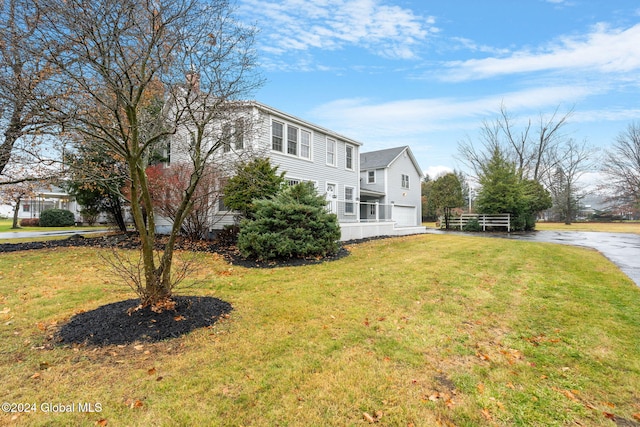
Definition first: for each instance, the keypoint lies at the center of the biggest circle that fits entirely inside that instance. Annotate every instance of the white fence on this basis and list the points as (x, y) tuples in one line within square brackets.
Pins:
[(498, 220)]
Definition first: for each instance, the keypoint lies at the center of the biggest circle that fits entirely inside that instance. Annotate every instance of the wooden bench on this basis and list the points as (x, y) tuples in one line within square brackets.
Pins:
[(497, 220)]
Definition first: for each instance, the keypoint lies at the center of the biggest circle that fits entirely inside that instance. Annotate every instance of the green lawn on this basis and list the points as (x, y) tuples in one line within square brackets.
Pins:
[(5, 226), (416, 331)]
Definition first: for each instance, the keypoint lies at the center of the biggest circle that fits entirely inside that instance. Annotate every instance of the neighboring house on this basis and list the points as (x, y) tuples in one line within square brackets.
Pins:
[(50, 197), (306, 152), (390, 186)]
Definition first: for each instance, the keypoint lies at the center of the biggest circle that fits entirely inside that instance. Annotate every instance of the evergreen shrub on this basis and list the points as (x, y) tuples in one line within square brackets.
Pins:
[(56, 218), (293, 224)]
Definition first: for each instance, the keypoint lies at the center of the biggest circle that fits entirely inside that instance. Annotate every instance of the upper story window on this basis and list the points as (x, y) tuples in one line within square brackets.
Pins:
[(277, 134), (238, 134), (292, 140), (305, 144), (349, 156), (297, 142), (405, 181), (226, 138), (371, 177), (331, 151)]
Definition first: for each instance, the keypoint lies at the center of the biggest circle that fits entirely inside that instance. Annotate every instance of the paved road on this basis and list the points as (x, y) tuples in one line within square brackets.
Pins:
[(35, 234), (622, 249)]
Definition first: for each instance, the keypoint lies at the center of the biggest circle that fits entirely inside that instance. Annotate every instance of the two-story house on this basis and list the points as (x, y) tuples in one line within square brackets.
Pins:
[(390, 186), (307, 152)]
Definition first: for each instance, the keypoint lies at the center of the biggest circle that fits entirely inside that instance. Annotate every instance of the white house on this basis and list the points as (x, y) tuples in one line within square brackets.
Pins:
[(390, 186), (307, 152)]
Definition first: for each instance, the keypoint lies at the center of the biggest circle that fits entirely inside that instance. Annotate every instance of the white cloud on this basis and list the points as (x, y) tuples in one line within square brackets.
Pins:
[(406, 120), (436, 171), (604, 50), (299, 25)]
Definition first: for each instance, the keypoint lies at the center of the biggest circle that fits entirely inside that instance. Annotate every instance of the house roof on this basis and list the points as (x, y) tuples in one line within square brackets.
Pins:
[(383, 158), (302, 122)]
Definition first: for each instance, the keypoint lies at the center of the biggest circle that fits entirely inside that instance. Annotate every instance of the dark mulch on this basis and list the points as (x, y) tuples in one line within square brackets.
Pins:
[(121, 323), (131, 241)]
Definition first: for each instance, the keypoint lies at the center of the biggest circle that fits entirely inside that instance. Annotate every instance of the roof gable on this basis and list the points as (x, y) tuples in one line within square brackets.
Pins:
[(384, 158)]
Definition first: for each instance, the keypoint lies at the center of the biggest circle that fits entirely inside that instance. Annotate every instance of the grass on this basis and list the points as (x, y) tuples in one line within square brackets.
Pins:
[(420, 330), (610, 227), (5, 226)]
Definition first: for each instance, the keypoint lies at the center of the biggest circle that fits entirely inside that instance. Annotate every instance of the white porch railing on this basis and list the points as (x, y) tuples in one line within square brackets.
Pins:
[(357, 211)]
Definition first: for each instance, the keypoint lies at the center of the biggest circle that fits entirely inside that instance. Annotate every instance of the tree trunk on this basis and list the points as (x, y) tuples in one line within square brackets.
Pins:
[(16, 211)]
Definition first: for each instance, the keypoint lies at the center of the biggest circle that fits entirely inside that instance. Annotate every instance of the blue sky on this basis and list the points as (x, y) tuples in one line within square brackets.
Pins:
[(426, 73)]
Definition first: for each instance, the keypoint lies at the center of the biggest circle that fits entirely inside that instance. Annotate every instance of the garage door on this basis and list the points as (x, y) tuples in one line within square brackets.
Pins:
[(404, 216)]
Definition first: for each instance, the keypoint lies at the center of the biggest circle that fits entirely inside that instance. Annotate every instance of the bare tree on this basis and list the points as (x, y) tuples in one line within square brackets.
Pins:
[(27, 84), (144, 72), (528, 147), (571, 161), (621, 168)]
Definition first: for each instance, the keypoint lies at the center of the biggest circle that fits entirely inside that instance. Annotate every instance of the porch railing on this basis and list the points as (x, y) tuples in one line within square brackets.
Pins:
[(357, 211)]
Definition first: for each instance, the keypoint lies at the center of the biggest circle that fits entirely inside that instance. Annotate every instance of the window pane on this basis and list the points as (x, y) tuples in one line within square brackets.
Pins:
[(305, 144), (349, 157), (292, 140), (276, 134), (331, 152), (239, 134)]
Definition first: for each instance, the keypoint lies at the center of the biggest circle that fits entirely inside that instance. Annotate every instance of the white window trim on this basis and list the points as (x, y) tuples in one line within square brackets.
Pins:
[(352, 201), (282, 137), (335, 152), (403, 181), (353, 157), (374, 176), (285, 140)]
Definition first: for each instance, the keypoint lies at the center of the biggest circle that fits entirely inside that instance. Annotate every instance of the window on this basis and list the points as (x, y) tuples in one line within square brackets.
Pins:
[(371, 177), (292, 181), (305, 144), (331, 152), (277, 133), (292, 140), (239, 134), (25, 208), (372, 209), (405, 181), (349, 207), (349, 156), (221, 206), (226, 138)]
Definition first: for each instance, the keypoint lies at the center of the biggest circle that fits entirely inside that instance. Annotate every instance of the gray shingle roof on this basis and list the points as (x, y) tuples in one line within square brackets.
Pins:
[(381, 158)]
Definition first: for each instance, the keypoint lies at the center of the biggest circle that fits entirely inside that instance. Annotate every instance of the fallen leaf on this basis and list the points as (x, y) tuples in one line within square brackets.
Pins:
[(480, 388), (636, 416), (151, 371), (610, 405), (486, 414), (609, 415), (102, 422), (368, 417), (138, 347), (35, 376)]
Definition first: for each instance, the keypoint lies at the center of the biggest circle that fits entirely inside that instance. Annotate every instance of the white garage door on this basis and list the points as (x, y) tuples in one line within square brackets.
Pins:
[(404, 216)]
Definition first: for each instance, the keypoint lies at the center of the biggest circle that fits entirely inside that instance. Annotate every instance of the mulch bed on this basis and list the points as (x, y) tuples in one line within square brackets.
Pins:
[(131, 241), (124, 322)]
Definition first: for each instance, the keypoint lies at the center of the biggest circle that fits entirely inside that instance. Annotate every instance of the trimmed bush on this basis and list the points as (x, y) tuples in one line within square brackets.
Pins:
[(30, 222), (56, 218), (472, 225), (293, 224)]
